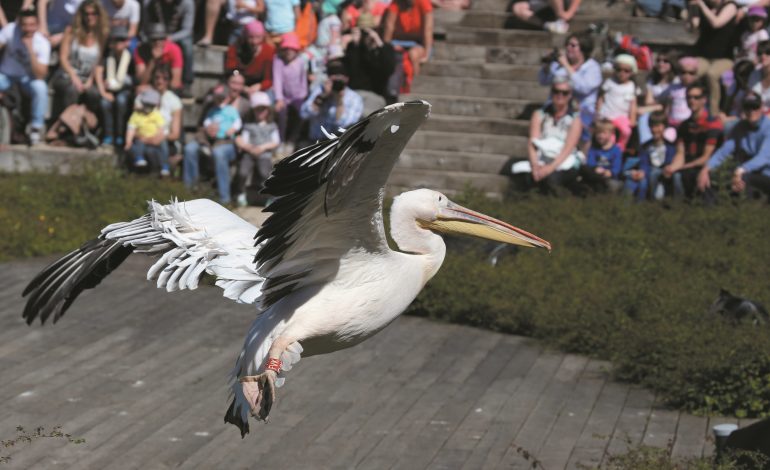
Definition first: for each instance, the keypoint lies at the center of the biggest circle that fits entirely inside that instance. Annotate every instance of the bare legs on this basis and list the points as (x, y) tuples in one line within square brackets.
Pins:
[(212, 14)]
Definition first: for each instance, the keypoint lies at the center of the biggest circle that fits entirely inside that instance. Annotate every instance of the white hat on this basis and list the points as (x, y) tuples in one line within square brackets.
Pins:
[(259, 98), (626, 59)]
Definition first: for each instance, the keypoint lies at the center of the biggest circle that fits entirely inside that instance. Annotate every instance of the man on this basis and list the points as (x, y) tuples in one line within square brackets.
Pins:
[(322, 107), (178, 16), (749, 143), (697, 139), (26, 53), (158, 50), (124, 13)]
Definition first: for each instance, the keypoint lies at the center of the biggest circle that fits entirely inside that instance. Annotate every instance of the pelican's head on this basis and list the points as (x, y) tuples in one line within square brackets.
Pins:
[(434, 211)]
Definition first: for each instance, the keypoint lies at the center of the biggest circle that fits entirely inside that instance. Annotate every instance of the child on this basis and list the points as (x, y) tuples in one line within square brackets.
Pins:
[(145, 133), (290, 87), (644, 177), (221, 123), (757, 17), (604, 161), (257, 141), (617, 98)]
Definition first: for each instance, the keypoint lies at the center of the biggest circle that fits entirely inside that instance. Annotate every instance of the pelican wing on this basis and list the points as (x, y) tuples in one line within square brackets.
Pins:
[(190, 237), (329, 200)]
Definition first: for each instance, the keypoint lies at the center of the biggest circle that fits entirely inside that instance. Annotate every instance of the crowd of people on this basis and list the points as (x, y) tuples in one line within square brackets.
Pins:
[(119, 72)]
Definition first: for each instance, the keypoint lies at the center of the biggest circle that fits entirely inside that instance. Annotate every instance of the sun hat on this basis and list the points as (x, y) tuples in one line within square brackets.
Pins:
[(290, 41), (259, 98), (626, 59)]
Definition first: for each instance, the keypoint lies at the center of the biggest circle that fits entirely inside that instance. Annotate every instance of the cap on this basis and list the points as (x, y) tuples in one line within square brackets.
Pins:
[(290, 41), (255, 28), (156, 31), (119, 32), (757, 10), (626, 59), (150, 97), (260, 98)]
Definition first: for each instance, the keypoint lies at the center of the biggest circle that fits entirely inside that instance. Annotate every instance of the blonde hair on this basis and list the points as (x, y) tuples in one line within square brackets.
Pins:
[(80, 26)]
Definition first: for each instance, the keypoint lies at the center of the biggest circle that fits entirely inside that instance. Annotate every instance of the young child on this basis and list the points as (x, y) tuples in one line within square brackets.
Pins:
[(757, 19), (290, 87), (145, 133), (617, 98), (604, 161), (220, 116), (257, 142), (643, 174)]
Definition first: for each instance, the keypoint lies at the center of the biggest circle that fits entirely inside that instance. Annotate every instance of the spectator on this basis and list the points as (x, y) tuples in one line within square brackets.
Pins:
[(617, 98), (281, 17), (371, 62), (735, 93), (81, 48), (662, 77), (26, 53), (759, 80), (239, 12), (409, 27), (178, 17), (236, 95), (643, 180), (717, 34), (363, 14), (144, 137), (257, 142), (124, 13), (585, 74), (158, 50), (697, 138), (675, 96), (749, 144), (757, 20), (290, 88), (253, 57), (328, 44), (332, 105), (171, 110), (604, 161), (114, 80), (11, 8), (54, 18), (552, 15)]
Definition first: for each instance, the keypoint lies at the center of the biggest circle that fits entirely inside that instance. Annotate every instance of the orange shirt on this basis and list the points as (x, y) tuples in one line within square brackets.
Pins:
[(409, 24)]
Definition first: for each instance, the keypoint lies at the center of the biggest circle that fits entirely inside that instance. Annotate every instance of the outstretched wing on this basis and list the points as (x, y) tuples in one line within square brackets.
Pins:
[(329, 200), (191, 238)]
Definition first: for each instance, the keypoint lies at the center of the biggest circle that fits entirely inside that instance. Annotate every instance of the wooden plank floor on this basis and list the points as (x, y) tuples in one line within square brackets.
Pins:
[(140, 374)]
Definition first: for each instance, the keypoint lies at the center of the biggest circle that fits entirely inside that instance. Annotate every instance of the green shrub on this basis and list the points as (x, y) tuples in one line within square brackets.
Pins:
[(627, 282)]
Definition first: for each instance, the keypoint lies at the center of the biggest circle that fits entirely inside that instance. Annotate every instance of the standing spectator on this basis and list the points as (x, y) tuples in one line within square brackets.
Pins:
[(257, 142), (551, 15), (239, 12), (114, 80), (717, 27), (604, 161), (697, 138), (159, 50), (617, 99), (370, 63), (757, 19), (54, 18), (124, 13), (749, 144), (290, 88), (80, 51), (281, 17), (253, 57), (585, 74), (144, 137), (409, 27), (26, 53), (178, 17), (656, 153), (332, 105)]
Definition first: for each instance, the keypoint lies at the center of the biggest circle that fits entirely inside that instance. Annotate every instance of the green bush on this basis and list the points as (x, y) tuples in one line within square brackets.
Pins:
[(631, 283)]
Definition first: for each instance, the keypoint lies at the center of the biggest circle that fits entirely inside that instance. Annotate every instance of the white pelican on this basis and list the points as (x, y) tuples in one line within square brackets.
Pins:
[(320, 273)]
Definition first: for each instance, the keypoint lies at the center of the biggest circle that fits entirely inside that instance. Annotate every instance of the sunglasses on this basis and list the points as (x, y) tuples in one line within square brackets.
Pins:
[(557, 92), (694, 97)]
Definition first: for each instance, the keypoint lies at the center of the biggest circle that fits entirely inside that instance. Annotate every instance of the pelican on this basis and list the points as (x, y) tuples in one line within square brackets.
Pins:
[(319, 271)]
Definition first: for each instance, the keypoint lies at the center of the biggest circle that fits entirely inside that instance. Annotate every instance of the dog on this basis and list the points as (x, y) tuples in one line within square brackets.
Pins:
[(739, 310)]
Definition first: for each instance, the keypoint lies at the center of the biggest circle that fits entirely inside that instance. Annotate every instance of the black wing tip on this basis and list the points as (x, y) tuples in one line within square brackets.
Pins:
[(233, 417)]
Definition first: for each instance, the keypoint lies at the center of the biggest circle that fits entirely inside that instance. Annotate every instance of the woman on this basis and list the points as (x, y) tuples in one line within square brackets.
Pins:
[(717, 27), (409, 27), (114, 80), (81, 50), (171, 110), (253, 56)]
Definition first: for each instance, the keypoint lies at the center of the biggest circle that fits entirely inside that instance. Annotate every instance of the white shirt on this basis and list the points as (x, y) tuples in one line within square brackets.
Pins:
[(126, 15), (617, 98), (16, 61)]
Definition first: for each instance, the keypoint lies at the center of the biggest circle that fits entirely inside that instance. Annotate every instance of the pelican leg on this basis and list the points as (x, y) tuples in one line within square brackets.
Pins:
[(259, 390)]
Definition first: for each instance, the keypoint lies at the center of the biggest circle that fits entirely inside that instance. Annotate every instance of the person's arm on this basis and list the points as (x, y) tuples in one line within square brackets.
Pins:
[(724, 16), (390, 25), (678, 160), (617, 163), (724, 151), (587, 78), (534, 133), (570, 143), (188, 19), (99, 77), (632, 114), (39, 69), (427, 35), (3, 19), (599, 103), (708, 150), (762, 157), (133, 19), (310, 108), (144, 69), (130, 133), (42, 17), (175, 129)]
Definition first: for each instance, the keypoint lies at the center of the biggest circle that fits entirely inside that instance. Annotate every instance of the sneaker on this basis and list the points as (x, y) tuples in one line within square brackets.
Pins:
[(164, 172), (107, 140), (241, 200), (34, 136), (140, 162), (557, 27)]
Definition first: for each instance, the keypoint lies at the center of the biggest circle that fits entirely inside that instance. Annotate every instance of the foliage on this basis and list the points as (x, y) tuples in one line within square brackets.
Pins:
[(51, 213), (23, 436), (627, 282)]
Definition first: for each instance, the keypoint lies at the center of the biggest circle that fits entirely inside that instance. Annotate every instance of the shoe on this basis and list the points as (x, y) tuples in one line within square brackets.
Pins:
[(107, 140), (140, 162), (557, 27), (203, 43), (241, 200), (165, 172), (34, 136)]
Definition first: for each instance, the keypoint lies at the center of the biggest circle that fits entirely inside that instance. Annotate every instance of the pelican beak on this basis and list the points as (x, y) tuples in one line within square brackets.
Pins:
[(457, 220)]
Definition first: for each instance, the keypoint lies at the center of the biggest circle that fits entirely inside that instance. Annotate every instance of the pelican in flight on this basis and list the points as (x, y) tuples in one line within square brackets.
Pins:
[(319, 271)]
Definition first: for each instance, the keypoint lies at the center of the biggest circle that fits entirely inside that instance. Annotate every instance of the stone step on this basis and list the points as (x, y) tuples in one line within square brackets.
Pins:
[(475, 106), (479, 54), (502, 37), (515, 146), (476, 124), (610, 9), (46, 158), (442, 160), (480, 87), (448, 182), (448, 68), (209, 60)]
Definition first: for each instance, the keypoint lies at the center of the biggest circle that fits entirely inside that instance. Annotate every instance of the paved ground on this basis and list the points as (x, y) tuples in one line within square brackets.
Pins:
[(140, 375)]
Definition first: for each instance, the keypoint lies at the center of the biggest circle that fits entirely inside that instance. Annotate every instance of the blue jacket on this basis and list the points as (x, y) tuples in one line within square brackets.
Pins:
[(645, 163), (750, 145), (611, 159)]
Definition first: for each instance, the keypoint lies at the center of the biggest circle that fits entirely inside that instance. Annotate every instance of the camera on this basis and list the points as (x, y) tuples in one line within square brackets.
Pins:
[(552, 57)]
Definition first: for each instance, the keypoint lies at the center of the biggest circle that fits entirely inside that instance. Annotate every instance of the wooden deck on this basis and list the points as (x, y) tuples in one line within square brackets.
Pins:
[(140, 374)]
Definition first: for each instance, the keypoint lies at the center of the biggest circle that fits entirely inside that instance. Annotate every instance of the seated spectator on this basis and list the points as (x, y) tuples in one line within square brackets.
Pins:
[(253, 57), (660, 79), (697, 138), (554, 133), (178, 18), (585, 74), (371, 62), (757, 22), (749, 144), (290, 88), (332, 105), (717, 30), (409, 27), (281, 18), (25, 56), (675, 96), (551, 15), (363, 14), (144, 137), (124, 13), (239, 13), (54, 17), (114, 80), (157, 51), (80, 51), (171, 110), (215, 140), (257, 143), (734, 94), (605, 160), (617, 98), (759, 80), (643, 179)]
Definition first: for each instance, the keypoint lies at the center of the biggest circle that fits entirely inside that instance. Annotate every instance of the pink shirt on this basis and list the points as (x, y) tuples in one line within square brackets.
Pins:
[(172, 55)]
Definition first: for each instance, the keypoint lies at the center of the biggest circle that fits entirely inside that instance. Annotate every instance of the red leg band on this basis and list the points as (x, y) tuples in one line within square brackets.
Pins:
[(274, 365)]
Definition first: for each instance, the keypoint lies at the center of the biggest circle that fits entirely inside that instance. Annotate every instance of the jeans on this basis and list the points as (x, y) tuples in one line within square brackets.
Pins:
[(114, 114), (188, 74), (223, 155), (36, 89), (151, 153)]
